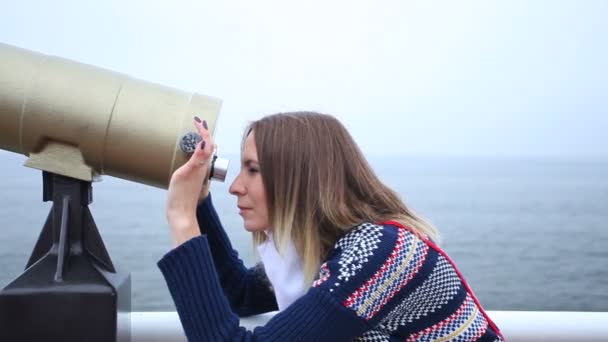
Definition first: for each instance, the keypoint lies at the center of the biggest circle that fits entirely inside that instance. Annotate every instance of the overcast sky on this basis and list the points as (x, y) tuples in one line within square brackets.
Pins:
[(508, 78)]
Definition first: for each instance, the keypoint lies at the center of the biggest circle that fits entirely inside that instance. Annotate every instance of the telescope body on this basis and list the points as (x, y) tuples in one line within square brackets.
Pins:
[(82, 121)]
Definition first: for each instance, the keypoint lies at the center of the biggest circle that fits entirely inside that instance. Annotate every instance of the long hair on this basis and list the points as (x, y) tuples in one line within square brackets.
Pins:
[(319, 186)]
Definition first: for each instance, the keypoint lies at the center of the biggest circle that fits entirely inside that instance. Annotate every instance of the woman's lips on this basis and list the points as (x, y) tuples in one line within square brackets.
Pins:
[(243, 210)]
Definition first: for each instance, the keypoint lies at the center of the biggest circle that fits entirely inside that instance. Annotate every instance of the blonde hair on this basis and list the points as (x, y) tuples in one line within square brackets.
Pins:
[(319, 186)]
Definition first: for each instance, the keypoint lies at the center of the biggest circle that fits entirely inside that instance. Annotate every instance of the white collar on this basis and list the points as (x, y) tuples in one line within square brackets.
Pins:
[(284, 272)]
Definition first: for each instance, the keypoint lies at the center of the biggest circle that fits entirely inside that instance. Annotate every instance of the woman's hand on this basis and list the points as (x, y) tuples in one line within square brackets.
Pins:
[(188, 185)]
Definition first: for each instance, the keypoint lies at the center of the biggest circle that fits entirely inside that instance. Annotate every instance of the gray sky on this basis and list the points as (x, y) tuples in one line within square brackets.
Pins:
[(508, 78)]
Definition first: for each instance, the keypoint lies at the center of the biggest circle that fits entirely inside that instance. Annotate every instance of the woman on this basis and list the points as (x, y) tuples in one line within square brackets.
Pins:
[(342, 257)]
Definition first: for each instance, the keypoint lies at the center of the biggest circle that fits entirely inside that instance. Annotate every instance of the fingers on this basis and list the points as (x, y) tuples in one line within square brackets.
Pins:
[(204, 150), (203, 129)]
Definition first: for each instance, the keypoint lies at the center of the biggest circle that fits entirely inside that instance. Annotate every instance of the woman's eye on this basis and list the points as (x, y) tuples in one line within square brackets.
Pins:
[(253, 170)]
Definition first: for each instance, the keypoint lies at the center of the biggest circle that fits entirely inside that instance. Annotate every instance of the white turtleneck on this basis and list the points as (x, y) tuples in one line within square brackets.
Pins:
[(284, 272)]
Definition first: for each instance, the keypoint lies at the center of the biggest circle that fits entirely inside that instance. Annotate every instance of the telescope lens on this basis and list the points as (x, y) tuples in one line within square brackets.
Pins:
[(219, 169)]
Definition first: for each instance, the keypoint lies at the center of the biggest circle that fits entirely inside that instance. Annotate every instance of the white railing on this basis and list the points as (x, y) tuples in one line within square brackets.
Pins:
[(516, 326)]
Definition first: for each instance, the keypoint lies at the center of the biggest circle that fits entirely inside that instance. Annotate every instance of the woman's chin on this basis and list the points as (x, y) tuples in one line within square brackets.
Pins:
[(248, 227), (252, 228)]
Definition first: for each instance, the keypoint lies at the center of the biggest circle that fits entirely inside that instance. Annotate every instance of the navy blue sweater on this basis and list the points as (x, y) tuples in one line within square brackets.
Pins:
[(380, 283)]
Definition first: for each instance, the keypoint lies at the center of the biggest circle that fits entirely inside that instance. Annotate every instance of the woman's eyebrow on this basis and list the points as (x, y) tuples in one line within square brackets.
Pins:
[(248, 162)]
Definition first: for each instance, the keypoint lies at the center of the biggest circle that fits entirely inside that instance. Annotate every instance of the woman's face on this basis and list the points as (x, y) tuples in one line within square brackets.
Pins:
[(249, 189)]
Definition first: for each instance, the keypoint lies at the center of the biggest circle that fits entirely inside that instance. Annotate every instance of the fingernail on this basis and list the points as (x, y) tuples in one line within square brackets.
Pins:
[(205, 124), (197, 119), (203, 145)]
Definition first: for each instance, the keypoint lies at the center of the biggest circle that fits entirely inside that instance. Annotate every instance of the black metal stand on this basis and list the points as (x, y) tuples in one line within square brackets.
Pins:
[(70, 290)]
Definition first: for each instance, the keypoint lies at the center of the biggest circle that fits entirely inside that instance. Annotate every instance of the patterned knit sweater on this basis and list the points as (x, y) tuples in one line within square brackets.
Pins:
[(380, 283)]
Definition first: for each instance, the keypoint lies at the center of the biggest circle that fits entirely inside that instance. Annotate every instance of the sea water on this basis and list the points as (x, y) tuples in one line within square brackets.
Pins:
[(527, 233)]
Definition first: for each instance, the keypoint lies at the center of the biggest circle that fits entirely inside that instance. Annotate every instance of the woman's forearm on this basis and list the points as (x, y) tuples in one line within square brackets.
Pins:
[(183, 229)]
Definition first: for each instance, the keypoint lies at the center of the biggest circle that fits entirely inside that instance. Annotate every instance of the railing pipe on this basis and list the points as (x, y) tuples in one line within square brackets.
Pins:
[(516, 326)]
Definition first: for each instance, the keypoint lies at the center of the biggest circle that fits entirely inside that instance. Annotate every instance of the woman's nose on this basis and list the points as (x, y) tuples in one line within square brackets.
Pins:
[(236, 188)]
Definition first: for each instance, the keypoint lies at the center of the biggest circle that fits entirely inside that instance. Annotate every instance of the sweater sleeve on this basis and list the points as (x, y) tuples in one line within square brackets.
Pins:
[(205, 313), (247, 289)]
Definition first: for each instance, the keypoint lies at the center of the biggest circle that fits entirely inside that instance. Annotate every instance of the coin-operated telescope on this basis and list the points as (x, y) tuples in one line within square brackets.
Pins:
[(76, 122)]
